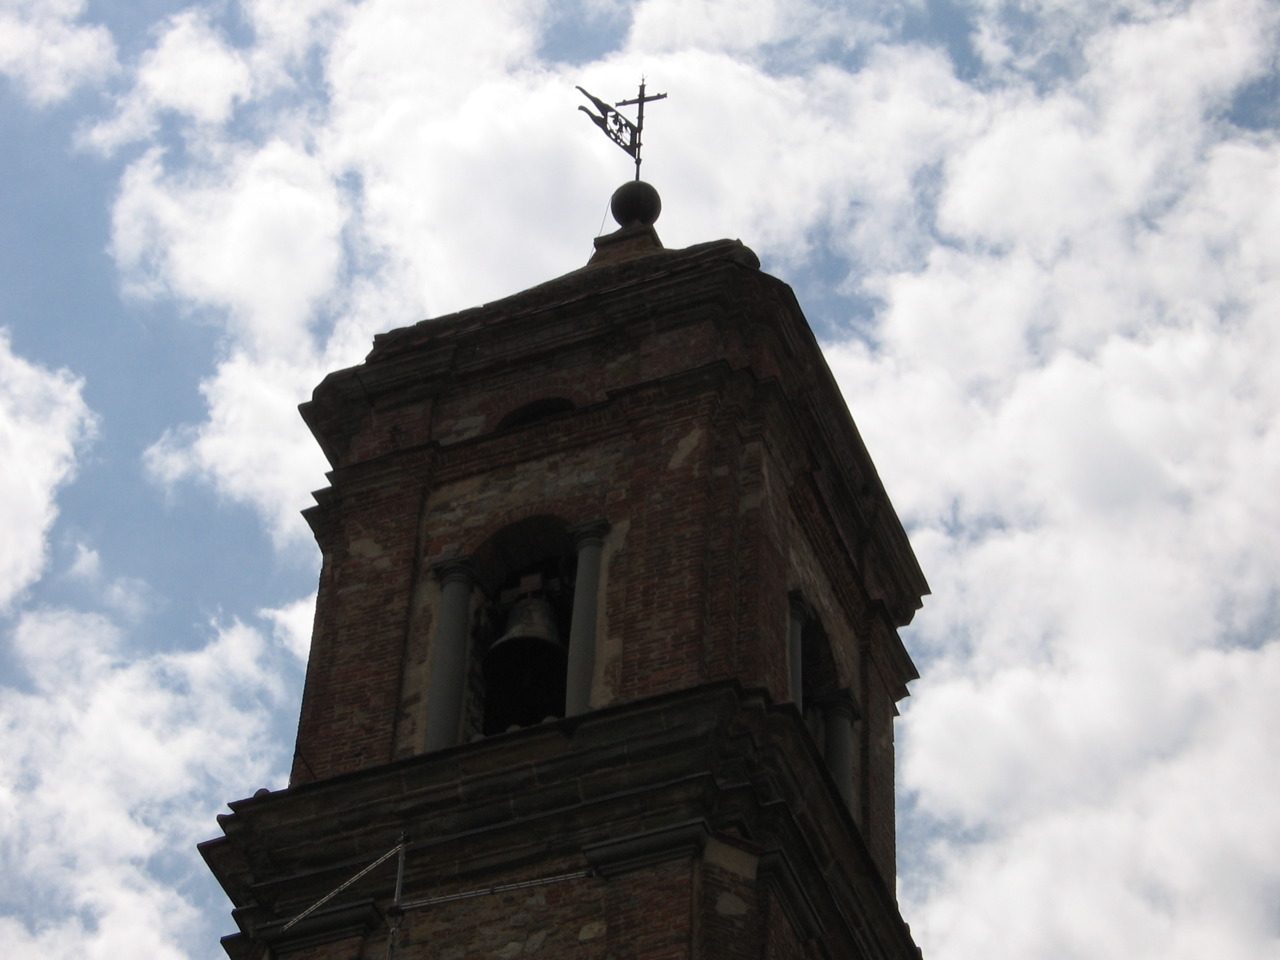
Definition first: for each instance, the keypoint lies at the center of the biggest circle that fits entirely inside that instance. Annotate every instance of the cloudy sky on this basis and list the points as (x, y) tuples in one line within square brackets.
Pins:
[(1039, 239)]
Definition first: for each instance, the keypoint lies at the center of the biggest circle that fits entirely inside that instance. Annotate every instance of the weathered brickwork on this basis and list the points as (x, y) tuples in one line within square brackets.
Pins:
[(694, 824), (677, 405), (781, 940)]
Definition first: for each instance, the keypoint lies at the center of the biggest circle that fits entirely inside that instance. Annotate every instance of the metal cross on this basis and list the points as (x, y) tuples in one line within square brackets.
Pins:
[(617, 127)]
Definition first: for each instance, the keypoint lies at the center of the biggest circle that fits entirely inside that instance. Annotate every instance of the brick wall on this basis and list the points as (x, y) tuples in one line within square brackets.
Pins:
[(693, 431)]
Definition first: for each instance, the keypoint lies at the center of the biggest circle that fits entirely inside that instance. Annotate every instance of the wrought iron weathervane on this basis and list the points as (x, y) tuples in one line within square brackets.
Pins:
[(617, 127)]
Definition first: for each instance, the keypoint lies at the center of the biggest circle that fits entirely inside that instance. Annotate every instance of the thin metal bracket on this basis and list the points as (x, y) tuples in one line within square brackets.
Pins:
[(337, 890)]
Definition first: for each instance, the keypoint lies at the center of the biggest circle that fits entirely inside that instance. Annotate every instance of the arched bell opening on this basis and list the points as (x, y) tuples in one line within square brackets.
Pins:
[(820, 679), (517, 676), (829, 709), (524, 667)]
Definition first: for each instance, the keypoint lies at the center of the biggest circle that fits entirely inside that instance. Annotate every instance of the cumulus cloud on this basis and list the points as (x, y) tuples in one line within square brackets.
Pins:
[(1168, 852), (191, 72), (717, 25), (1052, 316), (258, 238), (254, 446), (779, 34), (127, 597), (43, 422), (1069, 398), (292, 625), (48, 52), (113, 766)]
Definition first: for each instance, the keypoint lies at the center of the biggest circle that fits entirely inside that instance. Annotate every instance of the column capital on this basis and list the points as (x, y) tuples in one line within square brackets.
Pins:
[(799, 606), (841, 704), (454, 570), (589, 534)]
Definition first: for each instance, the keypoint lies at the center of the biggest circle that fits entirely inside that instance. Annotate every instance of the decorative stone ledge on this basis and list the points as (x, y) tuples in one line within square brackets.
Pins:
[(614, 857)]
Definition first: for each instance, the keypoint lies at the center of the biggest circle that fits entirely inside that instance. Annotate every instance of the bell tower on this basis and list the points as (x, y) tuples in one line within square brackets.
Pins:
[(605, 658)]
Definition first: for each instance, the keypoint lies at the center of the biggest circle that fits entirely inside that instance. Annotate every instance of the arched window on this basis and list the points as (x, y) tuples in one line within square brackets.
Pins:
[(517, 674), (524, 666), (829, 711), (526, 651)]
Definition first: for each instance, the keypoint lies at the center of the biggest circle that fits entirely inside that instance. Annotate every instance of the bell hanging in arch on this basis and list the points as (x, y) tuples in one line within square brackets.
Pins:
[(531, 620), (524, 669)]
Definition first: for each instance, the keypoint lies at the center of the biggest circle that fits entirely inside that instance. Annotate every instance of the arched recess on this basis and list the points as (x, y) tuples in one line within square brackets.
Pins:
[(535, 410), (820, 676), (516, 677), (829, 709)]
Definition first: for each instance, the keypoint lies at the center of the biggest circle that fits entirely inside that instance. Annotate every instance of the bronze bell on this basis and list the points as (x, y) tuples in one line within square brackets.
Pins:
[(531, 620), (524, 668)]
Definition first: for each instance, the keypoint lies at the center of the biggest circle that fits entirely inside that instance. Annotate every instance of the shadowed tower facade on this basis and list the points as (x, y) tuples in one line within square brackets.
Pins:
[(605, 658)]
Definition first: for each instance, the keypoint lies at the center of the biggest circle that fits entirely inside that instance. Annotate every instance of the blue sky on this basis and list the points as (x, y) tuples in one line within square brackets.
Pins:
[(1040, 242)]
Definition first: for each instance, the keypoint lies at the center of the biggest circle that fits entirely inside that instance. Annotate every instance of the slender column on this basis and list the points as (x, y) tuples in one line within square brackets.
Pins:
[(448, 674), (588, 540), (837, 720), (795, 647)]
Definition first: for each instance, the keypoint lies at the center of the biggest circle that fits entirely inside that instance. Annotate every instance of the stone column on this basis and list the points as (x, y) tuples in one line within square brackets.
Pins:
[(588, 540), (447, 679), (799, 613), (837, 720)]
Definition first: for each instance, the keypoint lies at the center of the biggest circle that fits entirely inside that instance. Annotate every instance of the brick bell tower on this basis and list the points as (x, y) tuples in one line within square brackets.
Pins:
[(605, 654)]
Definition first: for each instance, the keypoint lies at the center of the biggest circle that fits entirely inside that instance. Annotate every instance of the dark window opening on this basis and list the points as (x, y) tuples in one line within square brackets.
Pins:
[(818, 675), (536, 410), (818, 666)]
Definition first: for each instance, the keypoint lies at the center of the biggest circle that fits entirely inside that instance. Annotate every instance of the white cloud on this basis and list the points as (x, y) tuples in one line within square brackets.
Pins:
[(254, 447), (1090, 162), (284, 31), (292, 625), (191, 71), (1070, 399), (1068, 383), (754, 29), (258, 237), (1171, 854), (48, 52), (113, 766), (661, 25), (87, 564), (396, 50), (43, 420), (127, 597)]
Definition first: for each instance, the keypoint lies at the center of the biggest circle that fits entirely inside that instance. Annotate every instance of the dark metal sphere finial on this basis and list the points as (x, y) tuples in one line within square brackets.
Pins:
[(635, 202)]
